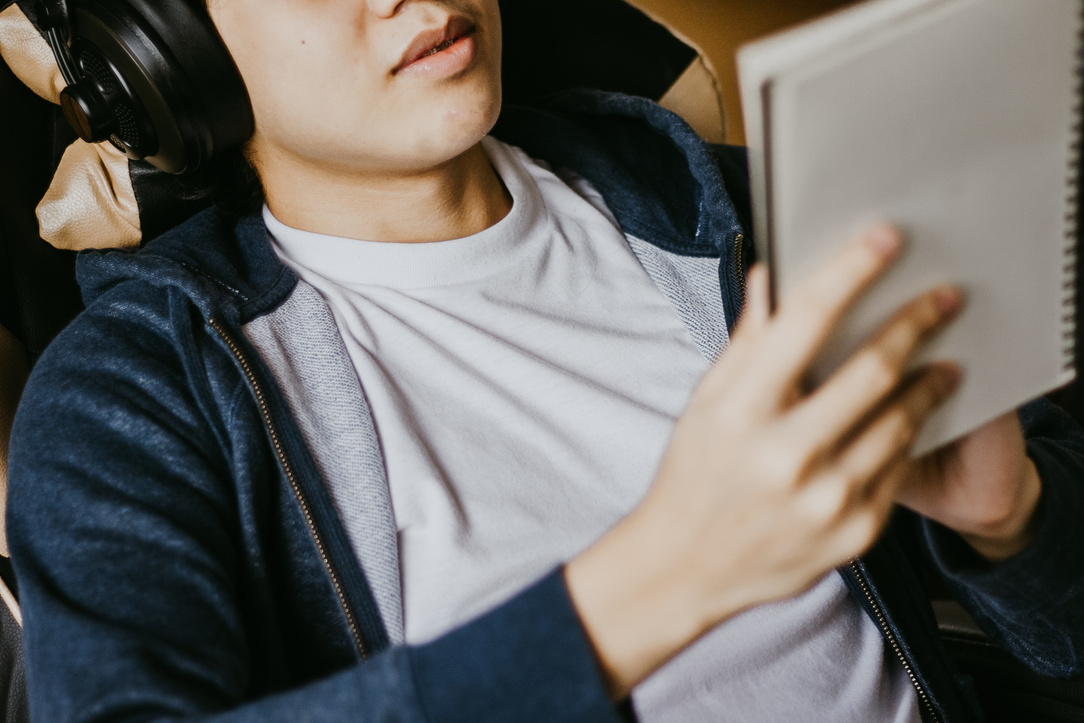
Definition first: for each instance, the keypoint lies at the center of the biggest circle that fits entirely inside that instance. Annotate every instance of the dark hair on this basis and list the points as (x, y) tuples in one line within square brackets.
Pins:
[(231, 183)]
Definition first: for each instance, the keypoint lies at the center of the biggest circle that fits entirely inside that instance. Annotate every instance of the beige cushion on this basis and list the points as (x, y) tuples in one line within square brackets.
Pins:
[(695, 97), (91, 202)]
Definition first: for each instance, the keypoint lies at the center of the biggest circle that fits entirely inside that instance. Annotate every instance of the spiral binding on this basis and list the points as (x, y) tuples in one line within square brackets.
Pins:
[(1072, 220)]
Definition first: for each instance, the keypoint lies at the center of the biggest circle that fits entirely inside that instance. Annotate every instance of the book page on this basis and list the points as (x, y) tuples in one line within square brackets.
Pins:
[(956, 125)]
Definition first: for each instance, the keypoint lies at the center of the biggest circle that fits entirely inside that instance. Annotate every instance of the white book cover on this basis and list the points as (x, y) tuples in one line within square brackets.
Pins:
[(957, 121)]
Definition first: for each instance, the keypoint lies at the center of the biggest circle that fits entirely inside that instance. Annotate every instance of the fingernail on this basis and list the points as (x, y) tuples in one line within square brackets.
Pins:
[(950, 378), (948, 301), (884, 239)]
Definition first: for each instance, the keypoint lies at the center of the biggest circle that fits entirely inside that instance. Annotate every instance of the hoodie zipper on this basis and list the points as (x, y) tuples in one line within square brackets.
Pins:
[(739, 263), (288, 469), (923, 696)]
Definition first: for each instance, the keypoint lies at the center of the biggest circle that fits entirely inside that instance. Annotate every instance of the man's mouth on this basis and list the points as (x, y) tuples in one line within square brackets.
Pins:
[(430, 42), (443, 46)]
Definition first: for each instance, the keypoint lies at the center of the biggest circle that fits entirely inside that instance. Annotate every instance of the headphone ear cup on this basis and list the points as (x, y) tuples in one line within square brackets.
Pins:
[(174, 94), (102, 107), (87, 112)]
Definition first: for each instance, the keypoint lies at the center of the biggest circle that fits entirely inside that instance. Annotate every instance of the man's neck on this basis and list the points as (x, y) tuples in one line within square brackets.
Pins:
[(459, 198)]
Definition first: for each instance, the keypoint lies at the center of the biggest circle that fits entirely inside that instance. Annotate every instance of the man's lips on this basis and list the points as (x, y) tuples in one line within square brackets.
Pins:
[(430, 42)]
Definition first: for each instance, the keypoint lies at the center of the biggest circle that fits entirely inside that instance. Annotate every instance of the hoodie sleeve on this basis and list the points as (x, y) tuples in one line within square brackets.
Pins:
[(129, 546), (1033, 603)]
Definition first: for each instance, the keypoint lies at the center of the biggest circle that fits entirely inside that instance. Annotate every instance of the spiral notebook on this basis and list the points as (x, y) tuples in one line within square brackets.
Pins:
[(958, 121)]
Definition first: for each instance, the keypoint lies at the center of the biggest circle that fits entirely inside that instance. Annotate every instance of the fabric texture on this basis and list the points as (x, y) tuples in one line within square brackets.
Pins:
[(305, 354), (28, 55), (153, 441), (13, 701), (91, 202), (695, 297)]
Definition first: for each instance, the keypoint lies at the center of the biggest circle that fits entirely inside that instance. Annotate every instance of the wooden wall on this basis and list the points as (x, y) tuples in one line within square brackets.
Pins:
[(719, 27)]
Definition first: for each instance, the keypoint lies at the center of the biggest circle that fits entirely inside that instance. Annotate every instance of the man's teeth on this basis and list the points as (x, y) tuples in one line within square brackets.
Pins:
[(443, 46)]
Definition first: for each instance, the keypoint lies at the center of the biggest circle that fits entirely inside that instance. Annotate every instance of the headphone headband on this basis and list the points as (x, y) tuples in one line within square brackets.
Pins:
[(153, 78)]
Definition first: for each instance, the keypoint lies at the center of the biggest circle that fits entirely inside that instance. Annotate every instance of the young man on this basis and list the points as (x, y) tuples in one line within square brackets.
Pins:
[(439, 436)]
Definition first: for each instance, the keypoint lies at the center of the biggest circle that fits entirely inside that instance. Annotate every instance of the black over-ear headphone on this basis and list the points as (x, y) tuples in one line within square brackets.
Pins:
[(153, 77)]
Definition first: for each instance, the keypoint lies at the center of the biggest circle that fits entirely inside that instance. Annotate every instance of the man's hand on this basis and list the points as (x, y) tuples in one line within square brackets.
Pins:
[(766, 487), (983, 486)]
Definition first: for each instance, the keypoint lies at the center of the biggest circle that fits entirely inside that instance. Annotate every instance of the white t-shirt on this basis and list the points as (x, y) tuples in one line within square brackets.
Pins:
[(524, 382)]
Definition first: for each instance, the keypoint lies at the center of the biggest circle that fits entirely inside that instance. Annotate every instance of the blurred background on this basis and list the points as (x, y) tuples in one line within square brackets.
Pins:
[(614, 45), (719, 27)]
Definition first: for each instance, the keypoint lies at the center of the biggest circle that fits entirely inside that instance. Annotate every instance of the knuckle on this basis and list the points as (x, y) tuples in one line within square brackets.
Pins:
[(835, 498), (783, 464), (814, 300), (813, 512), (860, 260), (912, 324), (860, 531), (727, 420), (864, 530), (927, 314), (902, 427), (995, 513), (823, 506), (783, 470), (933, 391), (917, 317), (882, 369)]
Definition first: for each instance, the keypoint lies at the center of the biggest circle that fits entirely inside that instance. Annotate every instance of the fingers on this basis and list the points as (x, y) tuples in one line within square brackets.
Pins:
[(754, 318), (874, 371), (807, 316), (758, 304), (890, 435), (864, 523), (858, 489)]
